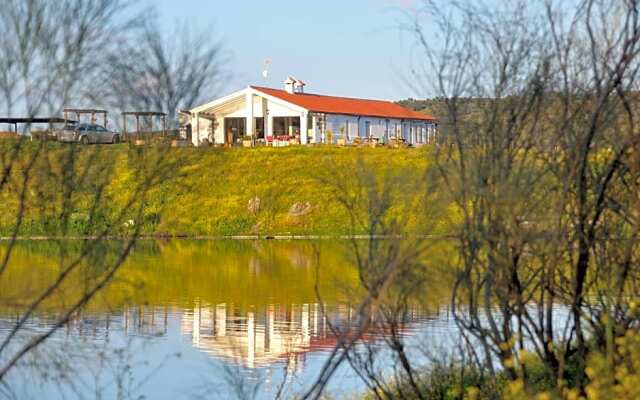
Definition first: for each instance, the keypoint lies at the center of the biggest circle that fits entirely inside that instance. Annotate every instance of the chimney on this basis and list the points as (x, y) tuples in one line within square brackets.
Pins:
[(288, 85), (293, 85), (298, 86)]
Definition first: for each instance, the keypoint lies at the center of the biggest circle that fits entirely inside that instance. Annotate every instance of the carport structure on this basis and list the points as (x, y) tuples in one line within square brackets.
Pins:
[(147, 121), (14, 122), (79, 112)]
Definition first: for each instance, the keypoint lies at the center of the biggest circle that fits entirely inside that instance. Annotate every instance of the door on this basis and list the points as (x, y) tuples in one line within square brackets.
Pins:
[(102, 135), (258, 123), (93, 133), (234, 130), (82, 131)]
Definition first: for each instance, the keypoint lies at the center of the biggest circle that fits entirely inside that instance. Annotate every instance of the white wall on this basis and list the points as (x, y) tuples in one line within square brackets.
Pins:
[(339, 124)]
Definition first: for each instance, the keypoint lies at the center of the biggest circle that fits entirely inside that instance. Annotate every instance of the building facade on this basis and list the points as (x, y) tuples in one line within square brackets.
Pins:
[(262, 114)]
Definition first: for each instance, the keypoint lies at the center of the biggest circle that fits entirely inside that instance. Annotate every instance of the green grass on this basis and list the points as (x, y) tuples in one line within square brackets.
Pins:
[(211, 190)]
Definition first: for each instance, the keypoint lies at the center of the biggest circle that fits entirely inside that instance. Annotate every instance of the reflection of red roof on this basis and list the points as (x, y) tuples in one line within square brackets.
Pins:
[(346, 105)]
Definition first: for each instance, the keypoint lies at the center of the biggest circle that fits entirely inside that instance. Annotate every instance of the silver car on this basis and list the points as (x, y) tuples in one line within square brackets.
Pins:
[(87, 133)]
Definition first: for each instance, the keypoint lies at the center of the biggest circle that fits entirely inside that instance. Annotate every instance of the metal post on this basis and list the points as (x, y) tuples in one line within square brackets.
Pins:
[(137, 126), (197, 129), (164, 126), (124, 126)]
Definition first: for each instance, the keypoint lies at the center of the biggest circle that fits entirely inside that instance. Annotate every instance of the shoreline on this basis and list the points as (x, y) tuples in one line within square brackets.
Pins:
[(223, 237)]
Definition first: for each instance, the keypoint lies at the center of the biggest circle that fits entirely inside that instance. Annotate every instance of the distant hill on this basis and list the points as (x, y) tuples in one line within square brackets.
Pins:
[(437, 106)]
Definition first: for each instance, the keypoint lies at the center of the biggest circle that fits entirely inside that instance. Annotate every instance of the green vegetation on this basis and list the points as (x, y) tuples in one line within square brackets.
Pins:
[(221, 192), (613, 374)]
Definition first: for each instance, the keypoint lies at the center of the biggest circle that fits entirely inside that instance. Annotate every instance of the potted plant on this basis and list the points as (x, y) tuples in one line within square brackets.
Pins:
[(329, 137), (342, 140), (247, 141)]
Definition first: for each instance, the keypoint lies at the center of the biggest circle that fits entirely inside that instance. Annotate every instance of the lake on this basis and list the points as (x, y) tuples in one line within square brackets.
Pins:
[(204, 319)]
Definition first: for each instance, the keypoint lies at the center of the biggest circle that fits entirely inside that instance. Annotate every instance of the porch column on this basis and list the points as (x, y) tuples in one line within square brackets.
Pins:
[(251, 339), (196, 323), (304, 325), (269, 120), (303, 128), (196, 139), (265, 117), (269, 329), (221, 319), (250, 131)]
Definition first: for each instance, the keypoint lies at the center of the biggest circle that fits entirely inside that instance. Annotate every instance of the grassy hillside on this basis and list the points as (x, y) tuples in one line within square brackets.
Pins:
[(266, 191), (218, 185)]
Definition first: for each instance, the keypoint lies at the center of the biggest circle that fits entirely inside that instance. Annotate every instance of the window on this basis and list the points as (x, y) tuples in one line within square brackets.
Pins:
[(289, 126), (309, 121)]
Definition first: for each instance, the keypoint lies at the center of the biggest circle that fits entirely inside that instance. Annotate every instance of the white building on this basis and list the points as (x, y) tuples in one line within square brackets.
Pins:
[(265, 113)]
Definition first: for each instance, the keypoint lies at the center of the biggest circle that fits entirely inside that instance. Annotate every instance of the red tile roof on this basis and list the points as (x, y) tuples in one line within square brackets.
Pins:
[(346, 105)]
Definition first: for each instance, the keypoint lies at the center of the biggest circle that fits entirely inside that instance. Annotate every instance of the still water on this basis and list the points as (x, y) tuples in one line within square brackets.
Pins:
[(205, 319)]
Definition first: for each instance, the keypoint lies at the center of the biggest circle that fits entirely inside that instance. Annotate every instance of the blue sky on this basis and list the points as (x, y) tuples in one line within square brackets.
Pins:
[(349, 48)]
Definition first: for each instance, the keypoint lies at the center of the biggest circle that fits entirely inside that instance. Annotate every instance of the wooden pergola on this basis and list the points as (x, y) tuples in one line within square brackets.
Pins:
[(86, 111), (144, 114)]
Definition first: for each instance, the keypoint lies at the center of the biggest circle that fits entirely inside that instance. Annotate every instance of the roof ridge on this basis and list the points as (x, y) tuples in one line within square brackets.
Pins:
[(324, 95)]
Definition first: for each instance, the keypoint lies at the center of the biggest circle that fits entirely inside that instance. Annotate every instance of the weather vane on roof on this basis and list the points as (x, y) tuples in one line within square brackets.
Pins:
[(265, 71)]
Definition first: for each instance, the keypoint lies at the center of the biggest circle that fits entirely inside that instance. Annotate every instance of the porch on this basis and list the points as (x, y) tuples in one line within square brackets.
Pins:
[(248, 116)]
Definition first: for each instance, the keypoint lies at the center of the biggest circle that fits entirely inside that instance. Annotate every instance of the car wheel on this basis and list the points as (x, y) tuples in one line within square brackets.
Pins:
[(84, 140), (116, 139)]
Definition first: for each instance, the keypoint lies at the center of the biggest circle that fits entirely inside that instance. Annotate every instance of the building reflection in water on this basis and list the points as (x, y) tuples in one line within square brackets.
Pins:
[(256, 339), (252, 338)]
